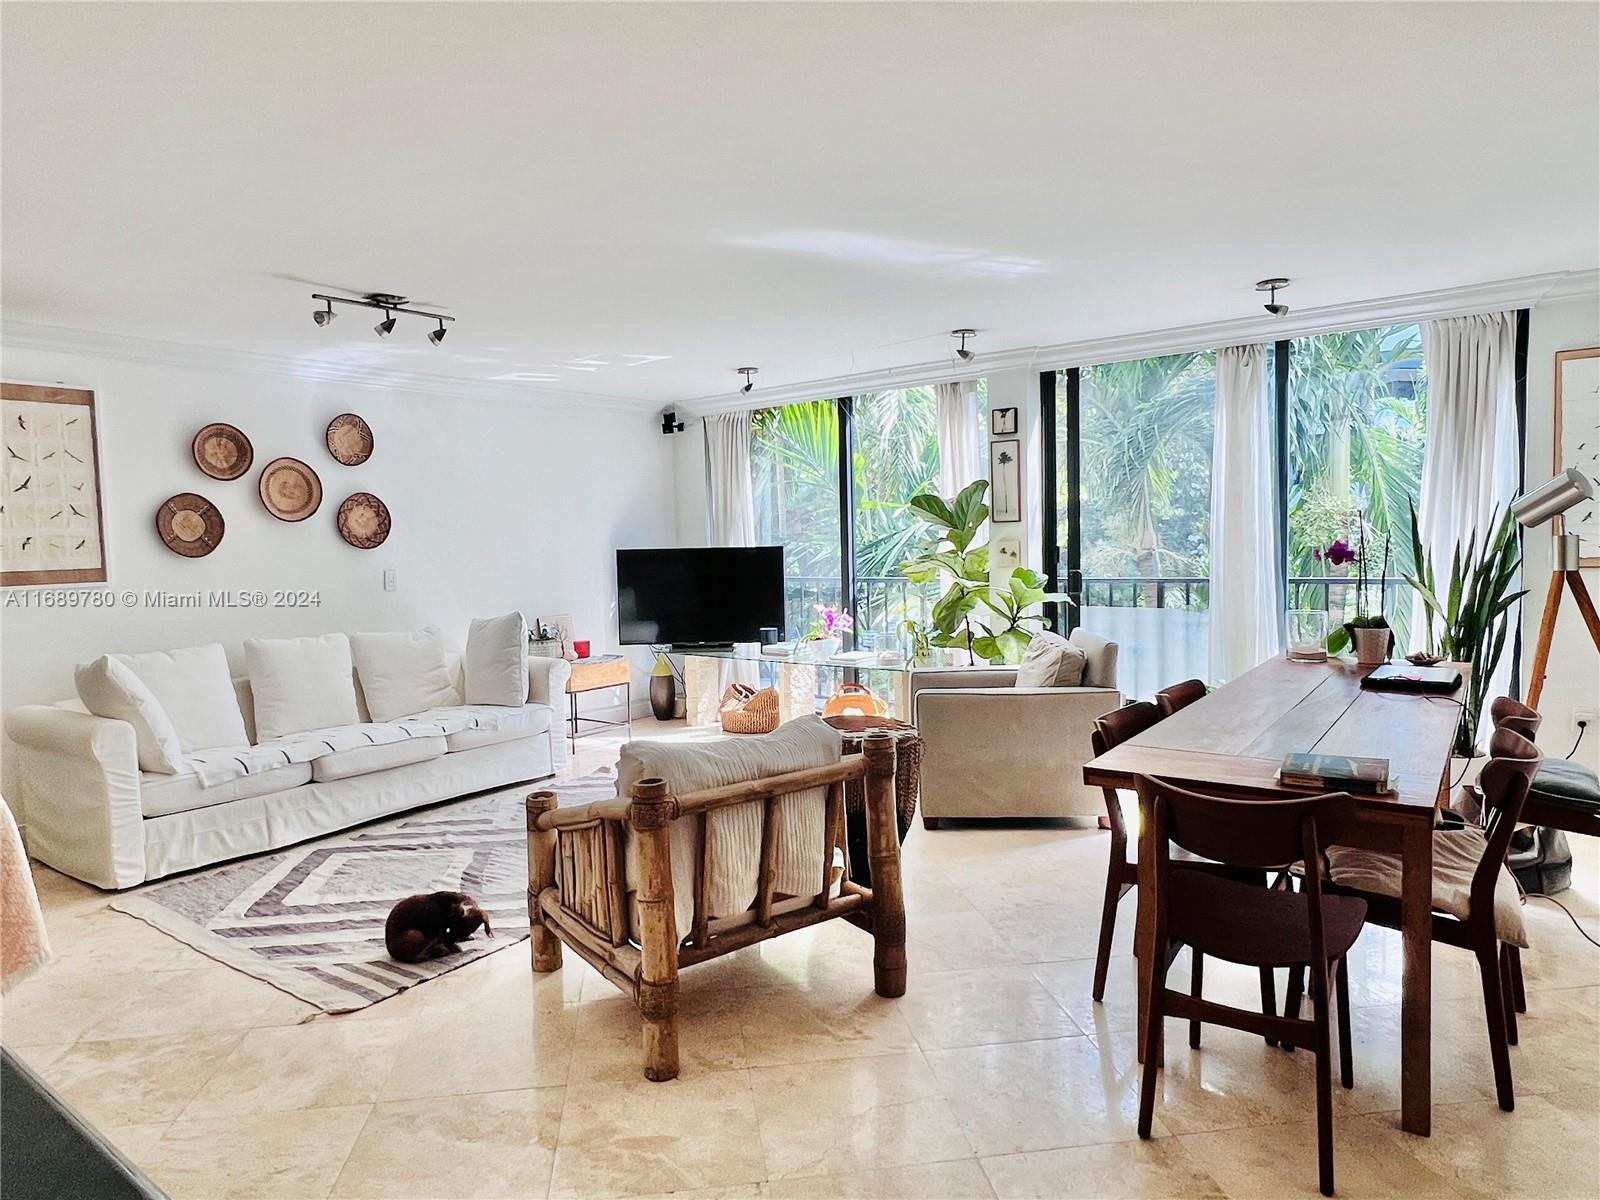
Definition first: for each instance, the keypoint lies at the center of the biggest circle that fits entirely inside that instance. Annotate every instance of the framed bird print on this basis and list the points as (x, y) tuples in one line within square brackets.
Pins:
[(51, 529), (1578, 442)]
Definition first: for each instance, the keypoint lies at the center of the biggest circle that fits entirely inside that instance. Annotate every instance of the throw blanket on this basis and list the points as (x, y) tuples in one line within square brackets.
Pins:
[(24, 945), (214, 767)]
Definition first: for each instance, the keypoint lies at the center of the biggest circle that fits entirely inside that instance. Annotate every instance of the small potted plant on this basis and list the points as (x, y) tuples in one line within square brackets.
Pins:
[(1368, 634), (825, 638)]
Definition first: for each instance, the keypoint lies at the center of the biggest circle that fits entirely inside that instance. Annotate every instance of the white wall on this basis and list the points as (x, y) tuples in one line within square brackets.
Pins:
[(496, 506), (1573, 678)]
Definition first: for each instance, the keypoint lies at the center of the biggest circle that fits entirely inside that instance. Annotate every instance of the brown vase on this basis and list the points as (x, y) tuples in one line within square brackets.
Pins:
[(1371, 646)]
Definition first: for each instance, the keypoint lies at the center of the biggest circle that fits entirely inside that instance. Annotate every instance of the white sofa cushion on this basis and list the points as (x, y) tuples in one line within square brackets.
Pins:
[(363, 760), (495, 666), (403, 673), (528, 721), (736, 830), (300, 683), (1456, 854), (163, 795), (1050, 661), (110, 689), (195, 690)]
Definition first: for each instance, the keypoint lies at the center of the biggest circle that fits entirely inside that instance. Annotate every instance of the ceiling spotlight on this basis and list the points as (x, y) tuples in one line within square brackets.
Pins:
[(387, 303), (326, 315), (437, 335), (386, 326), (749, 381), (1272, 305), (962, 352)]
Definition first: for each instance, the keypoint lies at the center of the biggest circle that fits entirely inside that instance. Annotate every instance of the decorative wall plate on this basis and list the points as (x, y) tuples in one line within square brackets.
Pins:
[(290, 490), (364, 521), (189, 525), (349, 439), (222, 452)]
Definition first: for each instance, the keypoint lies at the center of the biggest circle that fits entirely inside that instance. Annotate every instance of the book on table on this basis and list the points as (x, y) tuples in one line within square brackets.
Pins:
[(1335, 773)]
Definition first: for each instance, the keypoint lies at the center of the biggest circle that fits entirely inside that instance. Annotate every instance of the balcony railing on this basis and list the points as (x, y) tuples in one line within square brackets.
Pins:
[(882, 601)]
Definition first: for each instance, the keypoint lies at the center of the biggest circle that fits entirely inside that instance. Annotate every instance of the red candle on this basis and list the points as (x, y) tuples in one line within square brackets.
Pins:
[(581, 649)]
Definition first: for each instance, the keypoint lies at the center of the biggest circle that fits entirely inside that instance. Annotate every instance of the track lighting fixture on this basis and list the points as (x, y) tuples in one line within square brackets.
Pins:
[(749, 380), (962, 352), (1272, 305), (386, 302)]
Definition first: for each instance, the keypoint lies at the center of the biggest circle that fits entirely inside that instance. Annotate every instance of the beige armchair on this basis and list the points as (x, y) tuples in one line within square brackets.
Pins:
[(992, 749)]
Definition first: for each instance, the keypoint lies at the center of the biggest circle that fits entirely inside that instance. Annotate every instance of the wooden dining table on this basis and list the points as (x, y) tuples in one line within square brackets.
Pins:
[(1233, 741)]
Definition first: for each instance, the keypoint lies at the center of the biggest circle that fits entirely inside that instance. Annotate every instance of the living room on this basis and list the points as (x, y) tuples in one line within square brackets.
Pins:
[(956, 449)]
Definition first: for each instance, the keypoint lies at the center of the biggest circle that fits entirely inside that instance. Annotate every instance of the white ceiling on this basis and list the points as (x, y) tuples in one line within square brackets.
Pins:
[(631, 201)]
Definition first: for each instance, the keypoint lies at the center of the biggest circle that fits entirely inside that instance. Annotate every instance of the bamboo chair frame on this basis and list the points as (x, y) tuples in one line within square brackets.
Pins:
[(584, 904)]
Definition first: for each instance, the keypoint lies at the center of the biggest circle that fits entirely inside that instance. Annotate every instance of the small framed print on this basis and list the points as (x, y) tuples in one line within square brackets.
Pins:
[(1578, 442), (1008, 552), (1005, 474), (1002, 421)]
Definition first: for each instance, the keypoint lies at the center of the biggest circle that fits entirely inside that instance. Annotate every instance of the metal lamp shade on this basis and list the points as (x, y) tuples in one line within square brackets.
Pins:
[(1552, 498)]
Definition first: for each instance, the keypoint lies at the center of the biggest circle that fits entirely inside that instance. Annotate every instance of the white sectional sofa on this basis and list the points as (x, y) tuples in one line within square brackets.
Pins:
[(91, 812)]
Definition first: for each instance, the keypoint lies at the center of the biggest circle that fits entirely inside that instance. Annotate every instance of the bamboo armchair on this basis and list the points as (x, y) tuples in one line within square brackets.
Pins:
[(577, 887)]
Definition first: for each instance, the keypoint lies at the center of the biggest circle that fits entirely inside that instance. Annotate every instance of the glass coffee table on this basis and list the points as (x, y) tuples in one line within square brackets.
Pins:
[(803, 685)]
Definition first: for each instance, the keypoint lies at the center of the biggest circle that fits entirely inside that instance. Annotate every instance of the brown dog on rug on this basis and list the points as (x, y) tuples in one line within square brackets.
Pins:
[(429, 925)]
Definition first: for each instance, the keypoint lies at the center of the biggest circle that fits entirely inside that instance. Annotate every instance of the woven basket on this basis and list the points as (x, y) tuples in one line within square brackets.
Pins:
[(745, 710)]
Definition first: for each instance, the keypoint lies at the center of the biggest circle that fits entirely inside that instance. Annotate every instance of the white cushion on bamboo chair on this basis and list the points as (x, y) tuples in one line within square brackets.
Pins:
[(736, 830), (1456, 854)]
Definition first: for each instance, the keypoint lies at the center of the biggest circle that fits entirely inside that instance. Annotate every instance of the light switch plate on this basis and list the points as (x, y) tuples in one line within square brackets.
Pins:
[(390, 580)]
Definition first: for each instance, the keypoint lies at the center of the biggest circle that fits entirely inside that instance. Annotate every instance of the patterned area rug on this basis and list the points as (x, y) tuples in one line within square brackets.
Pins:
[(309, 919)]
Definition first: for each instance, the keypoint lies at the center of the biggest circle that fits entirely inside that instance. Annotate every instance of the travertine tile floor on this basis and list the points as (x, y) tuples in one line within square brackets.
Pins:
[(994, 1075)]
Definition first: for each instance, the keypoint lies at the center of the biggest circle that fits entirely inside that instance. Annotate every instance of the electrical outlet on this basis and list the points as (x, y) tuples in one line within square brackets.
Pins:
[(1586, 717), (390, 580)]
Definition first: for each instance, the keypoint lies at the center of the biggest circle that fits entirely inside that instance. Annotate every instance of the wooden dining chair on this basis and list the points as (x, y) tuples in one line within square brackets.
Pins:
[(1180, 695), (1468, 871), (1122, 875), (1254, 926), (1506, 713)]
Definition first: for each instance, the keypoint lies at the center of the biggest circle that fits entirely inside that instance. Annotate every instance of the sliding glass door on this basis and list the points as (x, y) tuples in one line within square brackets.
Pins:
[(794, 465), (896, 457)]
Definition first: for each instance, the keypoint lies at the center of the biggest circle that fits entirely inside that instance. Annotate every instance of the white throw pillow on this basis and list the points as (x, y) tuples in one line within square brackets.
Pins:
[(109, 689), (301, 683), (496, 662), (1051, 661), (195, 690), (403, 673)]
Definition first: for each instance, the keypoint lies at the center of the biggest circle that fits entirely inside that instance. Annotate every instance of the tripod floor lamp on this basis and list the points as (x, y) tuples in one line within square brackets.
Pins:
[(1546, 502)]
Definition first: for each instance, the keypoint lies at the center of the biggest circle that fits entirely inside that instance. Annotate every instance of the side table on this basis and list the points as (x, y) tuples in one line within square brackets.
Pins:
[(591, 675), (907, 780)]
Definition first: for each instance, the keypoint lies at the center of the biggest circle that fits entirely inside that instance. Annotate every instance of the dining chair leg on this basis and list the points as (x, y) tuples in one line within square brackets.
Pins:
[(1196, 972), (1518, 996), (1324, 1053), (1293, 992), (1108, 911), (1508, 996), (1347, 1074), (1494, 1009), (1269, 997), (1155, 1018)]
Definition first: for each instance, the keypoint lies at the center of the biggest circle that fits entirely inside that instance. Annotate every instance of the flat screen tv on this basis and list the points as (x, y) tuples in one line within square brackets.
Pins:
[(698, 597)]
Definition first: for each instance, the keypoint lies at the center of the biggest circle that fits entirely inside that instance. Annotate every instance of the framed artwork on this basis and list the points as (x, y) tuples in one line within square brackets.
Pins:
[(1002, 421), (1008, 552), (1005, 473), (1577, 442), (51, 528)]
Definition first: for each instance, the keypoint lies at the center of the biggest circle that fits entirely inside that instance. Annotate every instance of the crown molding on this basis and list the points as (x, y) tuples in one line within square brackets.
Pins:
[(1526, 292), (26, 335)]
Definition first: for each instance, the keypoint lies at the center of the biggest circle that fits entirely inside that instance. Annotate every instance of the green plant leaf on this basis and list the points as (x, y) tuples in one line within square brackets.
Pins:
[(933, 510)]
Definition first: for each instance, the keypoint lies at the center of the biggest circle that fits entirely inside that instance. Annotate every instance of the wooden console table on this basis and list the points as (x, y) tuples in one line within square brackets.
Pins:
[(595, 674)]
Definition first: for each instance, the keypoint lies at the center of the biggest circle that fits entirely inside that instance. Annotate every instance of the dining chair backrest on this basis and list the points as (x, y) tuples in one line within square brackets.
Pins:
[(1120, 724), (1180, 695), (1504, 782), (1247, 832), (1506, 713)]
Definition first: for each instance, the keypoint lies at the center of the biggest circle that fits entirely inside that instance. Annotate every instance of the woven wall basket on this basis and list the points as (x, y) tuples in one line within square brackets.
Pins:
[(745, 710)]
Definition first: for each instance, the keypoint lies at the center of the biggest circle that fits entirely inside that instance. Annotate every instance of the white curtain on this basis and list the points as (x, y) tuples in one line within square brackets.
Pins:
[(731, 520), (960, 456), (1246, 593), (1469, 464)]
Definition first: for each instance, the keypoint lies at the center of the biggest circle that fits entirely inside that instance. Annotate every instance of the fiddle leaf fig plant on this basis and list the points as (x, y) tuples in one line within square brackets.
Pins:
[(989, 621)]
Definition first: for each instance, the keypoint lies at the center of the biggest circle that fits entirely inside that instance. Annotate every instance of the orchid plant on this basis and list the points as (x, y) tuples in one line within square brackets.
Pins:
[(1339, 553), (830, 622)]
